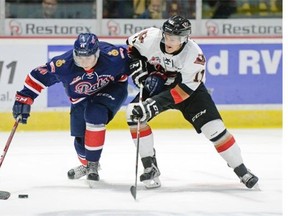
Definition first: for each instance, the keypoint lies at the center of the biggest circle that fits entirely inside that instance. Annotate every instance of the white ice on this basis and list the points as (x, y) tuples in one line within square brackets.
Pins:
[(195, 179)]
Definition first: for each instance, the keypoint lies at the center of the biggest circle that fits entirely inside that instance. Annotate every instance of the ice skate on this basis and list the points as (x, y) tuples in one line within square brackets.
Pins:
[(92, 174), (151, 174), (250, 180), (246, 177), (77, 172)]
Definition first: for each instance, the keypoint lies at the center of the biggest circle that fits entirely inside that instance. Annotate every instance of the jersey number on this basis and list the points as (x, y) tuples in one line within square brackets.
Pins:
[(12, 67), (199, 76)]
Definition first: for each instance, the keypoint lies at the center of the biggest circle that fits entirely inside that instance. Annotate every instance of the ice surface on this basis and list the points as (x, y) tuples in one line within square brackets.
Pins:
[(195, 179)]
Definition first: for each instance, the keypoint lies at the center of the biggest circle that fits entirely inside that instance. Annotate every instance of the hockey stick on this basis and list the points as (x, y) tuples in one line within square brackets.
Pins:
[(5, 194), (9, 141), (133, 188)]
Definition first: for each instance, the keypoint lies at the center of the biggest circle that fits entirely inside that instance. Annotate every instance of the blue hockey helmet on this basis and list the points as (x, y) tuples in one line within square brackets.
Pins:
[(86, 44), (86, 50)]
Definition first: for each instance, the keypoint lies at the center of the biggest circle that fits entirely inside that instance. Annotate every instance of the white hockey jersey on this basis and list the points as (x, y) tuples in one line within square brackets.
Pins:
[(190, 62)]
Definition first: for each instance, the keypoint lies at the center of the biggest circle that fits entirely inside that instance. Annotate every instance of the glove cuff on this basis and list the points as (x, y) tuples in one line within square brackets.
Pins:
[(153, 106), (23, 99)]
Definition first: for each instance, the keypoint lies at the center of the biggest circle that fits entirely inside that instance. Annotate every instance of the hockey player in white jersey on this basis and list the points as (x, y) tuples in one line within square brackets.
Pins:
[(172, 69)]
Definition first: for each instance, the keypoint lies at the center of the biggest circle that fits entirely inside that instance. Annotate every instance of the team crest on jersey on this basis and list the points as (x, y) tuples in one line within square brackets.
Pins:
[(113, 52), (60, 62), (89, 87)]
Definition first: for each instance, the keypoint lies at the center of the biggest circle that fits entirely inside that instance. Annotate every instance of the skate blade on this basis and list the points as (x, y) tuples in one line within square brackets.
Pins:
[(92, 183), (256, 187), (152, 183)]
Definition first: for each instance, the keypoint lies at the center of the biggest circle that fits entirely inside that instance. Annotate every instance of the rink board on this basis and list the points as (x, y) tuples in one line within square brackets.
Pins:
[(169, 119), (238, 74)]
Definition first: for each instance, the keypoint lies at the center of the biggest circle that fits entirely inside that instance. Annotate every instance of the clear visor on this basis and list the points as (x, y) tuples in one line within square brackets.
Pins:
[(86, 62), (173, 40)]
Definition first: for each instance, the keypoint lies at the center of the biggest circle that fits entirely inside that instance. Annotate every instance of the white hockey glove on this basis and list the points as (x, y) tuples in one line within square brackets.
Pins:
[(138, 71), (145, 111)]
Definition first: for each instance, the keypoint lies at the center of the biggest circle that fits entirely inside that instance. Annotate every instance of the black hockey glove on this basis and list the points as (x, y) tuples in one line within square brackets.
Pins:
[(138, 71), (145, 111), (21, 108)]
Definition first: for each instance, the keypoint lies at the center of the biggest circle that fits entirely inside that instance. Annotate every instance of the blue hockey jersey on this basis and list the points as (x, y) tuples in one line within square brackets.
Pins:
[(112, 66)]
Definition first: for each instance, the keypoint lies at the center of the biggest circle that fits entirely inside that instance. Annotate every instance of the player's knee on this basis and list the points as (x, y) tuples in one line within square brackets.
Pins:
[(213, 129)]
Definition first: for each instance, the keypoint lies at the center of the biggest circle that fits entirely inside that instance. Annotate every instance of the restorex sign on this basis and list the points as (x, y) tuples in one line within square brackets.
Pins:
[(127, 27)]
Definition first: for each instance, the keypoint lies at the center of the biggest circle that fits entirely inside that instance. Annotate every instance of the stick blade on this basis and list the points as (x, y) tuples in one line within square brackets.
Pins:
[(4, 195), (133, 191)]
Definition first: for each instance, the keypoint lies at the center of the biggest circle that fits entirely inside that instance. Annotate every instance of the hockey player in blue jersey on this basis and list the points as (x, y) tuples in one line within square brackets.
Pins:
[(94, 75)]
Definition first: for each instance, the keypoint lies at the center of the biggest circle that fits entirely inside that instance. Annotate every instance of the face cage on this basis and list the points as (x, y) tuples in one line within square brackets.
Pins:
[(82, 61)]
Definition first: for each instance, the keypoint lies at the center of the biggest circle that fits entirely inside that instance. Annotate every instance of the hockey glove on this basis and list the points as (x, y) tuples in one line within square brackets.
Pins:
[(21, 108), (154, 83), (145, 111), (138, 70)]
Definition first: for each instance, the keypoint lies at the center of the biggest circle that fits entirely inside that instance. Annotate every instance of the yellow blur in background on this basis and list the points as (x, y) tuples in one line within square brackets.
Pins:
[(59, 120)]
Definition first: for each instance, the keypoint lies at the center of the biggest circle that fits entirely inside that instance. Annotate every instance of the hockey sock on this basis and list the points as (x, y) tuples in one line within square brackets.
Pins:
[(229, 150), (94, 141), (146, 140), (80, 149)]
